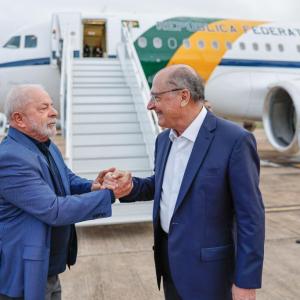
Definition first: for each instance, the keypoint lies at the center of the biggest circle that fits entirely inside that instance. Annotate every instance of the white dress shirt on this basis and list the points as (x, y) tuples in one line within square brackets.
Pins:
[(179, 155)]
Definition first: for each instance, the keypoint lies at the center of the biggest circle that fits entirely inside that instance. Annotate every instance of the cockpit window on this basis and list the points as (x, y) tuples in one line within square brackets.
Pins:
[(13, 42), (30, 41)]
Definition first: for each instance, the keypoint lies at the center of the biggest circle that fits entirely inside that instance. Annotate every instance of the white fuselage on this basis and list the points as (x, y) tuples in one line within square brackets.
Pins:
[(256, 78)]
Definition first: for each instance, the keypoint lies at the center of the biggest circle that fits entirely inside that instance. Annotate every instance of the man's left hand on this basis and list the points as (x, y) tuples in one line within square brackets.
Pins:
[(120, 182), (243, 294), (97, 184)]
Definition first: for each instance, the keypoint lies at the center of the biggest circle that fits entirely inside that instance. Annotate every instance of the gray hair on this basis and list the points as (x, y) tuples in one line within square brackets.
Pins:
[(186, 77), (18, 97)]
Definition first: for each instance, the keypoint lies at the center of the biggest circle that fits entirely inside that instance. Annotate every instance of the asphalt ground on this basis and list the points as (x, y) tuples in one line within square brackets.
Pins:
[(116, 261)]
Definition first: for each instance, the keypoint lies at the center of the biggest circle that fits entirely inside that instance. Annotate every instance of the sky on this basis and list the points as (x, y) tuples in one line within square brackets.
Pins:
[(26, 12)]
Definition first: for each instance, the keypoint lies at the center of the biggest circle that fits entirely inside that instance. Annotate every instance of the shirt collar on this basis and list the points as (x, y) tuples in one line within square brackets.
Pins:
[(192, 131)]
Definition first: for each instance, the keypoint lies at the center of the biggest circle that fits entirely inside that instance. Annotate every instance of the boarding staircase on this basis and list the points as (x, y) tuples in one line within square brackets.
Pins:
[(106, 130), (105, 121)]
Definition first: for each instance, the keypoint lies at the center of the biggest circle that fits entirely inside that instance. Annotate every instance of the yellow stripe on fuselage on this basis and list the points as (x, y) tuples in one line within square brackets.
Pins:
[(205, 60)]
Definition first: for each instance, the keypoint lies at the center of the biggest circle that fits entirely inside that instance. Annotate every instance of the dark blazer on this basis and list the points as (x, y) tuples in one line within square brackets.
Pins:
[(29, 208), (216, 234)]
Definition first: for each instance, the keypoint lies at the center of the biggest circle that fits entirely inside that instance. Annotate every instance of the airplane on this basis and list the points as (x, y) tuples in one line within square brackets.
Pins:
[(250, 68)]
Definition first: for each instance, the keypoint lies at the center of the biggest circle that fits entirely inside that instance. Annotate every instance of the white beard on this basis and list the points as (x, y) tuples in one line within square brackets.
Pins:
[(44, 131)]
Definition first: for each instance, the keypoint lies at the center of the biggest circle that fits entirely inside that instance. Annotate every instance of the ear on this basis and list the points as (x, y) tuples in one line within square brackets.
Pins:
[(186, 96), (184, 103), (18, 119)]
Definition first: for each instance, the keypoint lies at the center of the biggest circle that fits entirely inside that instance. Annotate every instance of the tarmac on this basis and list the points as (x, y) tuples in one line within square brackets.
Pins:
[(115, 262)]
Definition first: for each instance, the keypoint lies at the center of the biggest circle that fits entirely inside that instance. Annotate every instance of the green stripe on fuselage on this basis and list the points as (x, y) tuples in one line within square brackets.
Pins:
[(171, 32)]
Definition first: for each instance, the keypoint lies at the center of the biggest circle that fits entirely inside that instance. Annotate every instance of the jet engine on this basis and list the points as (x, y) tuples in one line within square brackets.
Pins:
[(281, 116)]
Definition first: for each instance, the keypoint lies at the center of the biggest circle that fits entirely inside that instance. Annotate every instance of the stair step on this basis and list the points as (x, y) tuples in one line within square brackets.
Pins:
[(97, 61), (96, 165), (107, 139), (104, 118), (100, 85), (79, 79), (106, 128), (100, 91), (102, 99), (132, 150), (97, 72), (103, 108), (95, 67)]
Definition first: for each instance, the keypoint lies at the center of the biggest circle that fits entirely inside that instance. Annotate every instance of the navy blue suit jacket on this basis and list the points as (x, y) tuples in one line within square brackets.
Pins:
[(216, 235), (29, 208)]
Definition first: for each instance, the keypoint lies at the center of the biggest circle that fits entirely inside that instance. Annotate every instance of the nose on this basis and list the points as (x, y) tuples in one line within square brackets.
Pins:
[(53, 112), (151, 105)]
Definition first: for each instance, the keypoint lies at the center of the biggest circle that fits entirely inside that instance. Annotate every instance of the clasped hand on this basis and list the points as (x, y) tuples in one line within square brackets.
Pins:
[(120, 182)]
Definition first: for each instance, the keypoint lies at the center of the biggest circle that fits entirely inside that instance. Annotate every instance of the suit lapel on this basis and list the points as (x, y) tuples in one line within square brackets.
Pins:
[(28, 143), (201, 146), (24, 140), (160, 165)]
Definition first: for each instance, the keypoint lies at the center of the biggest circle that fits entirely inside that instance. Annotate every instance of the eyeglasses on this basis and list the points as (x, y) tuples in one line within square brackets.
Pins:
[(153, 96)]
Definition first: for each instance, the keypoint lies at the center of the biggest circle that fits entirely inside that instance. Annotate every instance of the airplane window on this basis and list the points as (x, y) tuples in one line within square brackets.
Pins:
[(255, 46), (142, 42), (157, 42), (280, 47), (201, 44), (172, 43), (215, 44), (229, 45), (242, 46), (30, 41), (298, 48), (268, 47), (13, 42), (186, 43)]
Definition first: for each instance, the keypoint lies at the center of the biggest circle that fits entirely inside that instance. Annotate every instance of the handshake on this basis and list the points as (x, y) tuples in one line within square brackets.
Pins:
[(120, 182)]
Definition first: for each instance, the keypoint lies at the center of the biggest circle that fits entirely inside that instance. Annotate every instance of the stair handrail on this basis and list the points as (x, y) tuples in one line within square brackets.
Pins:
[(66, 95), (140, 71), (56, 39), (127, 48)]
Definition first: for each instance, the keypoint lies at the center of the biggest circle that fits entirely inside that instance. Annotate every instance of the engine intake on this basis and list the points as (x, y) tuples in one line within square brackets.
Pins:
[(281, 117)]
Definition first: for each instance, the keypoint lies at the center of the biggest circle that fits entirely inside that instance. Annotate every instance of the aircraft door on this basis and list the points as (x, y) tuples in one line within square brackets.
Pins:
[(94, 38)]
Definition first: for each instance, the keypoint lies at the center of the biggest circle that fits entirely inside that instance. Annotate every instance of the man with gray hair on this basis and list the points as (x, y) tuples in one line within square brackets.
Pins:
[(40, 199), (208, 213)]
